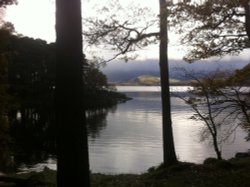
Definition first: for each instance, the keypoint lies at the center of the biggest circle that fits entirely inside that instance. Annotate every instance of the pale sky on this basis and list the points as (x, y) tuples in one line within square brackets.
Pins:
[(36, 18)]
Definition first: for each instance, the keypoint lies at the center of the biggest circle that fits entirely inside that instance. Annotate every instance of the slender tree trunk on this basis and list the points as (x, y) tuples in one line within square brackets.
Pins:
[(216, 148), (72, 144), (169, 156), (246, 4)]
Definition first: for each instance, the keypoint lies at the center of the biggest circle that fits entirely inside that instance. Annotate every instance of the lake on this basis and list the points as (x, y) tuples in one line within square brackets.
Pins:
[(128, 138)]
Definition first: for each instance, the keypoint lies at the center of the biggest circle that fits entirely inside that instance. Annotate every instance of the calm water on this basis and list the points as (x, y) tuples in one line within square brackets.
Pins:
[(128, 139)]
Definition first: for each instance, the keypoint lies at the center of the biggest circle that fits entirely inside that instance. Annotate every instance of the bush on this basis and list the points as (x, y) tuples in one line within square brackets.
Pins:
[(223, 164), (210, 161)]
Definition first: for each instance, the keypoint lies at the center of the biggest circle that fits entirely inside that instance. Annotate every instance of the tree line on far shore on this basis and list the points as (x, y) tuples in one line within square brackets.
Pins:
[(27, 89)]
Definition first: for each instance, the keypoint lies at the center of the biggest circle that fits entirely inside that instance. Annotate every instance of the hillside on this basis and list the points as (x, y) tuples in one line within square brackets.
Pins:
[(148, 80), (122, 71), (241, 76)]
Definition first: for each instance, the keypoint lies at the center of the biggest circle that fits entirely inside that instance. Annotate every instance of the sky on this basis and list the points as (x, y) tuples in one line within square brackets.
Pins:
[(36, 18)]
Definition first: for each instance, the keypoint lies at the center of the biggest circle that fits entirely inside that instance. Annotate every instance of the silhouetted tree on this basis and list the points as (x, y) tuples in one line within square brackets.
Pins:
[(72, 144), (3, 3), (126, 37), (4, 101), (212, 28), (31, 79), (123, 34), (169, 155), (221, 101), (204, 99), (27, 95), (234, 92), (5, 32), (94, 79)]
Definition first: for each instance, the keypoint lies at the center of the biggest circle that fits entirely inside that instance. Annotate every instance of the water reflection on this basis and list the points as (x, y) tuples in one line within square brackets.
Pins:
[(96, 121), (33, 139), (6, 159), (132, 141), (128, 139)]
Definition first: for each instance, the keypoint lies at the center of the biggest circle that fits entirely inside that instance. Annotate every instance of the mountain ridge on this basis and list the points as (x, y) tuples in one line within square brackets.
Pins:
[(124, 71), (149, 80)]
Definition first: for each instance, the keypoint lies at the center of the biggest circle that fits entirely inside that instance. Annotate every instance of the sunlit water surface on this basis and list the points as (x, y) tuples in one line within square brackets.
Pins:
[(130, 140)]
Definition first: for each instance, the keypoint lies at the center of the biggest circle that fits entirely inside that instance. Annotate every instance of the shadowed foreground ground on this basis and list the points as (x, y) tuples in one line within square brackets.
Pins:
[(213, 173)]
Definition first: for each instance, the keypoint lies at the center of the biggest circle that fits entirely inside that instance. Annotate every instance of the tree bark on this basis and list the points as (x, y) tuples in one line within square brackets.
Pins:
[(246, 5), (72, 144), (216, 148), (169, 155)]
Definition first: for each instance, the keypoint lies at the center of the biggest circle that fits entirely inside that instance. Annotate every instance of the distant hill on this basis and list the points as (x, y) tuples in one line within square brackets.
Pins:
[(148, 80), (127, 72)]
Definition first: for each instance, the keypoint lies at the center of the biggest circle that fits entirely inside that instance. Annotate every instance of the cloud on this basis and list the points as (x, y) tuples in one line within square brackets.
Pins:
[(119, 70)]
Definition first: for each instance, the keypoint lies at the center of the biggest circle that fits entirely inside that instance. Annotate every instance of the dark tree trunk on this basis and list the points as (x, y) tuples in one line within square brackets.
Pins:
[(72, 144), (247, 17), (169, 156), (216, 148)]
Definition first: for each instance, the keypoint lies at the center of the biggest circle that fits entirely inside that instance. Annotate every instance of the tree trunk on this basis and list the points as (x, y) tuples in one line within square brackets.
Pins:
[(169, 156), (72, 144), (247, 17), (216, 148)]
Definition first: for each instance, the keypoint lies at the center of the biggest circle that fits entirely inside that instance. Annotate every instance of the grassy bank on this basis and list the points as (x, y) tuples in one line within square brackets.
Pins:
[(213, 173)]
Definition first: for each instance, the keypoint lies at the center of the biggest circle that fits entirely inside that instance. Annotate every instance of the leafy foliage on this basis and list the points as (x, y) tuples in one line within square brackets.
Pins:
[(121, 30), (205, 100), (212, 28), (4, 3), (94, 79), (5, 100), (239, 96), (241, 77), (221, 102)]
